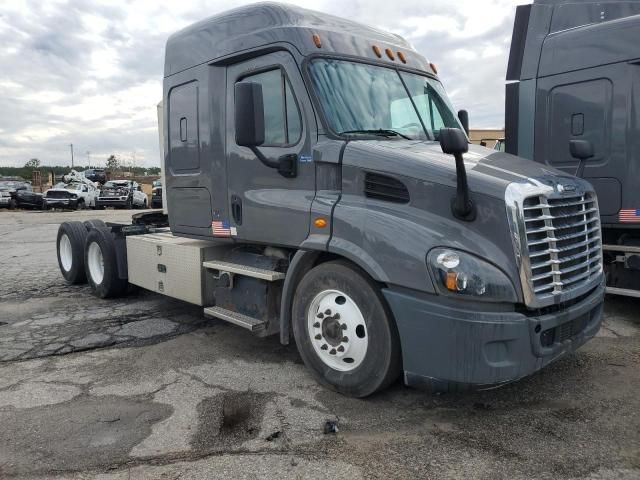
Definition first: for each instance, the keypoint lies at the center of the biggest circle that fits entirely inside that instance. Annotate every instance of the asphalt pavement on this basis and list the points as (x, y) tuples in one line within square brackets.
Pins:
[(146, 387)]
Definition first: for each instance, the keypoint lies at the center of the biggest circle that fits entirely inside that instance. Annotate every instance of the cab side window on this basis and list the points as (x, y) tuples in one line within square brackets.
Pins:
[(281, 113)]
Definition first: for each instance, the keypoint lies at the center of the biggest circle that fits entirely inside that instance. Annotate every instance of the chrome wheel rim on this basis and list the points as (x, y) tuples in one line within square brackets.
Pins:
[(95, 262), (337, 330), (66, 253)]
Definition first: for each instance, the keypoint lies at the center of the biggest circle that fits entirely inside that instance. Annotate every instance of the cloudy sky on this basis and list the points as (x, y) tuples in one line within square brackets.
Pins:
[(89, 72)]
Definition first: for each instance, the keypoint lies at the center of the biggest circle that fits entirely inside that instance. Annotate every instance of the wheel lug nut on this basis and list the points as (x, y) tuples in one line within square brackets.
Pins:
[(341, 348), (324, 347), (316, 325), (345, 339), (327, 312), (318, 337), (336, 316), (320, 315), (344, 326), (332, 352)]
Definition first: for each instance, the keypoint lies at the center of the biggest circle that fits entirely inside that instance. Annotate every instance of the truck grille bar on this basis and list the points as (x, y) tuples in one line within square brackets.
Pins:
[(557, 240)]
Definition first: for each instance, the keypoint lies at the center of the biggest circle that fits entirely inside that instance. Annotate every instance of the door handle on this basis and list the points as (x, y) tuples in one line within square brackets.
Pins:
[(236, 209)]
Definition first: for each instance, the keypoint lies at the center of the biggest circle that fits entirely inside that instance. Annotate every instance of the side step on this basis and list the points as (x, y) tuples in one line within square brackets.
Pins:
[(626, 292), (261, 273), (251, 324)]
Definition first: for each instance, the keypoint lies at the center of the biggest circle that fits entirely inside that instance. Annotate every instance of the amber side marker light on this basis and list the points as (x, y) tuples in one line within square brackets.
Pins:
[(390, 54), (377, 51), (434, 68), (402, 57), (316, 40), (320, 222)]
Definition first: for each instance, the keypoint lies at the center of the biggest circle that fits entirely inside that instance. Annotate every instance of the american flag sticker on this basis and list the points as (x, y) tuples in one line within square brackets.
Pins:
[(629, 215), (223, 229)]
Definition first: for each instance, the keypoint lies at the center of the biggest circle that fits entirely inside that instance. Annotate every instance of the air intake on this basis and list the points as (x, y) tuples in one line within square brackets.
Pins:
[(388, 189)]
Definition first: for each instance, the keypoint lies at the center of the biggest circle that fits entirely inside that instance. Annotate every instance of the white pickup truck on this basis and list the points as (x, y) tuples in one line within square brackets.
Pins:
[(75, 191)]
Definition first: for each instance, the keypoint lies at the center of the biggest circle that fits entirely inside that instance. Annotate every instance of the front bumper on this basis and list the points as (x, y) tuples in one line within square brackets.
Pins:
[(4, 201), (459, 347), (61, 202), (111, 202)]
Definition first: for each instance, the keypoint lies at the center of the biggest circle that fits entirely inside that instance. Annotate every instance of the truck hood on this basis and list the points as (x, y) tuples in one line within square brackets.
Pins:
[(63, 190), (489, 172)]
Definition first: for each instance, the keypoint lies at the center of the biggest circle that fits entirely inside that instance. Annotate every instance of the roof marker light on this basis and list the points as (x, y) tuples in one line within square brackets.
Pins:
[(316, 40), (377, 51), (434, 68), (402, 57), (390, 54)]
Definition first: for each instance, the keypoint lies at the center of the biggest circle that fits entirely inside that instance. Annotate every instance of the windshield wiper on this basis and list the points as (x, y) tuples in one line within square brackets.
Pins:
[(384, 132)]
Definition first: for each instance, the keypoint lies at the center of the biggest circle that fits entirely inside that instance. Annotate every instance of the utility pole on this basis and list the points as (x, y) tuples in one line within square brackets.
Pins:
[(71, 145), (89, 158)]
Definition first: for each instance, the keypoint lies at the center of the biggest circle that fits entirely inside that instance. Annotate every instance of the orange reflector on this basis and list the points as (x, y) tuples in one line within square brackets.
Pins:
[(316, 40), (434, 68), (450, 281), (390, 54), (377, 51), (402, 58), (320, 222)]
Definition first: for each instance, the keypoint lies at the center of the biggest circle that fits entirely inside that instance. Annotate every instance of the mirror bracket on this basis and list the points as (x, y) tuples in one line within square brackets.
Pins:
[(287, 165)]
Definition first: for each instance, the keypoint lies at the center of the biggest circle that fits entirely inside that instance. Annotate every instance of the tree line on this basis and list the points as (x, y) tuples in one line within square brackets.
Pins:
[(113, 166)]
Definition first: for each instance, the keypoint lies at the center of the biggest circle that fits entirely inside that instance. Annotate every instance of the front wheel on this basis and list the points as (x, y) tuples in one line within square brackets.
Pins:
[(344, 331)]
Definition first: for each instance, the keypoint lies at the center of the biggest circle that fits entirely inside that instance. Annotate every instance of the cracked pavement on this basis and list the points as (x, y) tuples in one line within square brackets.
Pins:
[(146, 387)]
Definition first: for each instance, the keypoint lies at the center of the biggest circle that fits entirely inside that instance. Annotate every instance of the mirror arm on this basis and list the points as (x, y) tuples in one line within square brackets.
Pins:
[(462, 206), (267, 162), (287, 165)]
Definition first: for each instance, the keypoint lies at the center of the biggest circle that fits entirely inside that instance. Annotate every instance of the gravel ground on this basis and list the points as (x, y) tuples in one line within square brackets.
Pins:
[(145, 387)]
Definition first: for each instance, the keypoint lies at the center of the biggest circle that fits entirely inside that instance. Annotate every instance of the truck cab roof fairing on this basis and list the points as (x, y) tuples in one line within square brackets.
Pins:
[(261, 24)]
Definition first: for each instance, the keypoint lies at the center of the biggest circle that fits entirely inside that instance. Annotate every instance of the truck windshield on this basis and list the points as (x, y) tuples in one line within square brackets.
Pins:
[(358, 98)]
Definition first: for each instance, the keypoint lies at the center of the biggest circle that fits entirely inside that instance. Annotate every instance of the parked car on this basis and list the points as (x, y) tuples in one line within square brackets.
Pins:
[(156, 194), (16, 194), (98, 175), (122, 194), (73, 194)]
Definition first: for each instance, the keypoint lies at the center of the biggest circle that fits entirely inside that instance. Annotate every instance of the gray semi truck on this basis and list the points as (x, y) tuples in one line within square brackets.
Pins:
[(319, 185), (572, 103)]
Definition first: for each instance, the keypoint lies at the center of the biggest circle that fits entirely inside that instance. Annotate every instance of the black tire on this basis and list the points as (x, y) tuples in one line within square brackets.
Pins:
[(111, 285), (80, 205), (129, 204), (76, 233), (382, 363), (13, 204), (145, 204), (94, 223)]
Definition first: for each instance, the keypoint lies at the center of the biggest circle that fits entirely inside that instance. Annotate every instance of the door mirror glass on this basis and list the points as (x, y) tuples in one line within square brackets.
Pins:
[(85, 188), (249, 114)]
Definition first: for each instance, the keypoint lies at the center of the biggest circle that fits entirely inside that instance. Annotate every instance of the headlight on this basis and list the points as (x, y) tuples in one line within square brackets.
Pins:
[(73, 195), (461, 274)]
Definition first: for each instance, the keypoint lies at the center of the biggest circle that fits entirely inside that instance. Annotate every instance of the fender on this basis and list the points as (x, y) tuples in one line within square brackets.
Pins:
[(301, 263)]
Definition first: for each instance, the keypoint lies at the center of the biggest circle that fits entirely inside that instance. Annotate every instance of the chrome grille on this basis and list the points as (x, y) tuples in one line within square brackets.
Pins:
[(558, 242)]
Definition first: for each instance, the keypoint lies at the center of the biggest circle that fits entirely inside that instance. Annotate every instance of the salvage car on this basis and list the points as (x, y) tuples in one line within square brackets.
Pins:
[(98, 175), (122, 194), (16, 194), (74, 194), (156, 194)]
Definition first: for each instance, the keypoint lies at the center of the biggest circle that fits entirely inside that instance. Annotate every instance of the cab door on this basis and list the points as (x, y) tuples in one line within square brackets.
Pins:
[(265, 206)]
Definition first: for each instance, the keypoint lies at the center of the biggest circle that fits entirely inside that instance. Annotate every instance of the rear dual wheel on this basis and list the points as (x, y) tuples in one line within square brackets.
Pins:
[(344, 331), (70, 250), (101, 263), (87, 252)]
